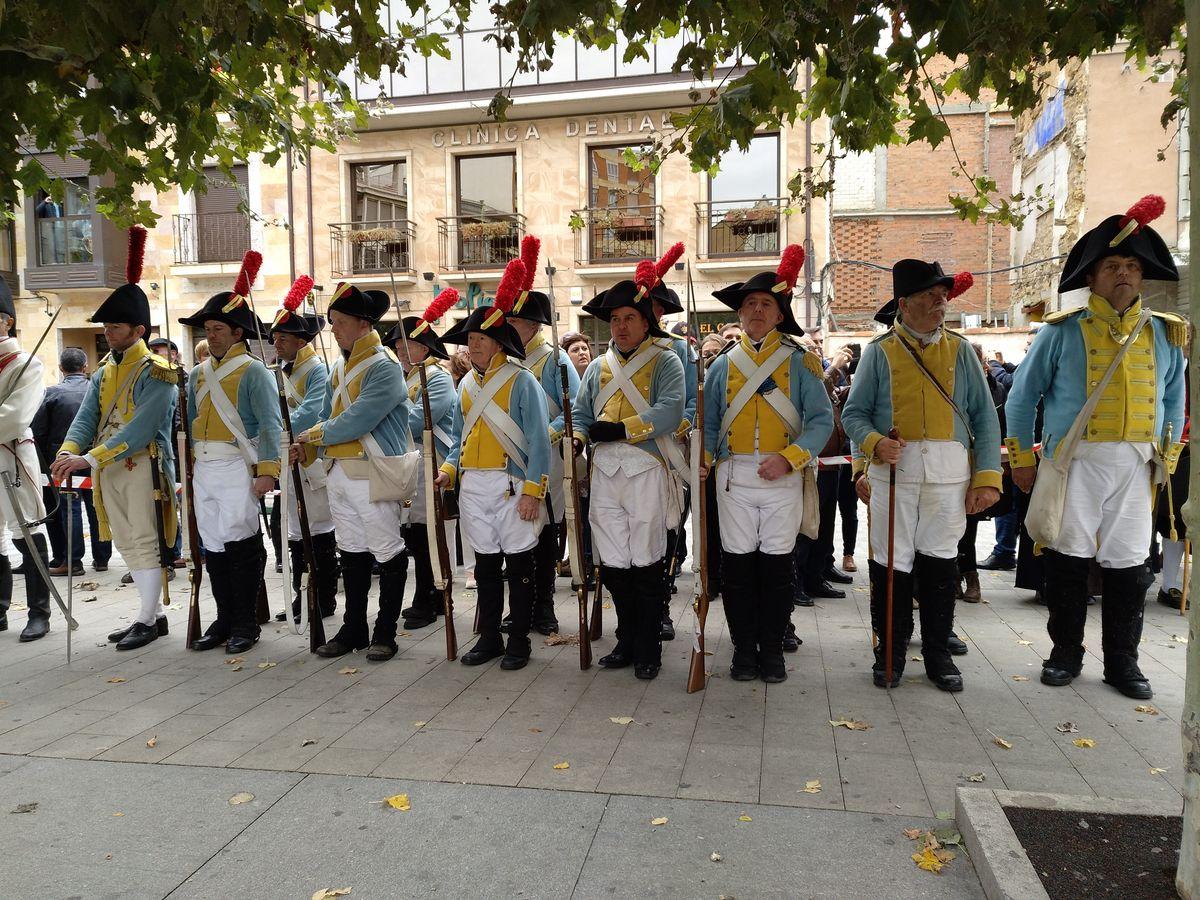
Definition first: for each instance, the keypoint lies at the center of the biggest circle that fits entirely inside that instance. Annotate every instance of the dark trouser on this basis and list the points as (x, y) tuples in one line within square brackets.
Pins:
[(276, 527), (617, 582), (967, 561), (935, 580), (820, 556), (426, 600), (37, 592), (649, 595), (1122, 610), (247, 560), (847, 502), (902, 615), (356, 587), (392, 575), (520, 569), (6, 585), (712, 527), (757, 591), (547, 556), (70, 515), (1066, 593), (1030, 569), (56, 528), (1006, 532), (217, 564), (326, 575)]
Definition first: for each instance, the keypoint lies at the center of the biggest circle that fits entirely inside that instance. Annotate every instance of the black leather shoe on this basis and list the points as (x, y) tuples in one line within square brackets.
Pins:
[(951, 683), (998, 563), (478, 655), (772, 668), (615, 660), (281, 617), (334, 648), (744, 666), (666, 629), (1056, 677), (34, 629), (1134, 688), (802, 599), (646, 671), (99, 567), (791, 642), (420, 620), (957, 645), (139, 635), (835, 575), (382, 652), (881, 679), (160, 623), (1172, 598), (207, 642), (823, 590), (236, 645), (511, 663), (3, 621)]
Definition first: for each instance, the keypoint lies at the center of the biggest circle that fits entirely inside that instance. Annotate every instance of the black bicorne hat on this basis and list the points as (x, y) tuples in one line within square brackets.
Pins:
[(369, 305), (425, 337), (232, 309), (780, 284), (501, 331), (911, 276), (624, 293), (128, 304), (534, 306), (1127, 235)]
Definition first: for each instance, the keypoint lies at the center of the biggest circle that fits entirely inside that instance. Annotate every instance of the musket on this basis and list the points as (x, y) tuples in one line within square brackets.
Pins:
[(596, 631), (71, 495), (894, 434), (161, 507), (571, 489), (700, 595), (435, 517), (316, 628)]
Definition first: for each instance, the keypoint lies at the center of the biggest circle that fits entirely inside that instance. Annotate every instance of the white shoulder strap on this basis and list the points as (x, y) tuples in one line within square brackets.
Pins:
[(292, 382), (622, 380), (210, 387), (756, 376), (507, 431)]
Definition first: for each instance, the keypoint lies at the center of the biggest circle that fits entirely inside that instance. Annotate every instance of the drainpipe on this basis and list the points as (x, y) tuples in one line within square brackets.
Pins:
[(987, 139)]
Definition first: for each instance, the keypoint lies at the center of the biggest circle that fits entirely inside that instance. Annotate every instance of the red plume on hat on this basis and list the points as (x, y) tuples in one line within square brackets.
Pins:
[(135, 254), (789, 268), (668, 259), (294, 298), (251, 263), (506, 293), (962, 284), (1139, 215), (530, 248), (435, 310), (649, 273)]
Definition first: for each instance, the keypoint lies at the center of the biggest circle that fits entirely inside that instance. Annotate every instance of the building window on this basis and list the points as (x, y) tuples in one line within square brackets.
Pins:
[(380, 233), (64, 228), (744, 213), (380, 191), (8, 256), (622, 217), (487, 225)]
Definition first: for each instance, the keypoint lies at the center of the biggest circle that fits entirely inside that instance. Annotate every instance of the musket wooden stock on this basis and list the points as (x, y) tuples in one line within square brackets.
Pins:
[(434, 497), (187, 467), (700, 596), (161, 508), (894, 435), (597, 624)]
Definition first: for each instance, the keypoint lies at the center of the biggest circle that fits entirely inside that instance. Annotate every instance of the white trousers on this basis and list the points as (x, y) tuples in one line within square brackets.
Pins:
[(1107, 513), (362, 525), (487, 509), (226, 508), (1172, 564), (316, 502), (557, 495), (628, 515), (756, 514), (930, 519)]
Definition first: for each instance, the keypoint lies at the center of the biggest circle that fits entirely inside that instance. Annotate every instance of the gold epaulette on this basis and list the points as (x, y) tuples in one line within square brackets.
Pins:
[(1060, 315), (1176, 326), (812, 362), (162, 369)]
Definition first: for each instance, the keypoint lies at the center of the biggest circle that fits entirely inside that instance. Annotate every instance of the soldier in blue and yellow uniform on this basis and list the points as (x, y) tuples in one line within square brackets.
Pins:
[(363, 419), (501, 460), (530, 312), (925, 381), (630, 405), (234, 414), (1129, 443), (421, 347), (127, 411), (766, 416), (304, 377)]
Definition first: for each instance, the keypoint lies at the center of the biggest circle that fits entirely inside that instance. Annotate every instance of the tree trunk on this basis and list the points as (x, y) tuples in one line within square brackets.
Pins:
[(1187, 877)]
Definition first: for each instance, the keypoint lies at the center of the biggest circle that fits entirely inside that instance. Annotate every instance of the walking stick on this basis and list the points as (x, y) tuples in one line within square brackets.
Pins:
[(69, 493), (894, 435)]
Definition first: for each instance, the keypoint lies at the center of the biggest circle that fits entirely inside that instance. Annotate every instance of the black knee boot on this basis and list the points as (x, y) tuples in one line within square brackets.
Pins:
[(1124, 602), (617, 581), (217, 633), (776, 593), (392, 575), (902, 621), (37, 592), (489, 597), (356, 583), (936, 580), (247, 561), (521, 569), (1066, 598), (6, 586), (737, 592), (649, 588), (546, 553), (424, 609), (325, 553)]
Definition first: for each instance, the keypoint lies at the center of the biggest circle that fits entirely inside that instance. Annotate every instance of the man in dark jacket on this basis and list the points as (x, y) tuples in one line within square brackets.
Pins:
[(50, 426)]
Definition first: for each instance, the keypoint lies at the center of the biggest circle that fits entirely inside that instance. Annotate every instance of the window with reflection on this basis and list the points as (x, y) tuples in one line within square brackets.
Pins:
[(489, 231), (380, 236), (622, 219), (64, 227), (8, 260), (745, 213)]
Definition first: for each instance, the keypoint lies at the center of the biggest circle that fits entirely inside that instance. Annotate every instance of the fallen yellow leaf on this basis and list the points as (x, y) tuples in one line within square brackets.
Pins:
[(1084, 742), (347, 670), (943, 856), (977, 777), (267, 665), (917, 658), (116, 679), (1020, 678), (621, 720), (153, 742), (328, 893), (913, 833), (562, 765), (928, 861), (418, 725), (1025, 643), (1001, 742), (239, 798), (234, 661), (535, 731), (715, 856), (661, 820), (236, 669), (307, 742), (399, 801), (1179, 638), (118, 815), (812, 787), (1147, 709), (1066, 728), (851, 724), (744, 818), (1156, 771)]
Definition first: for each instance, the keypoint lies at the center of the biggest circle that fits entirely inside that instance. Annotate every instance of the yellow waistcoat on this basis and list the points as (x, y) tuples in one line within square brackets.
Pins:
[(363, 347), (208, 425), (919, 412), (1126, 411), (480, 448)]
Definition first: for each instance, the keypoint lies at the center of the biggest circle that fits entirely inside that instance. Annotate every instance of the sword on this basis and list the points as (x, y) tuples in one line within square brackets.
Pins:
[(27, 535), (70, 494)]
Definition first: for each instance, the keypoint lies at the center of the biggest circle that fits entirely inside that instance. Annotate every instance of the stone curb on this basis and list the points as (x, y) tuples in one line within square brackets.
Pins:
[(1000, 861)]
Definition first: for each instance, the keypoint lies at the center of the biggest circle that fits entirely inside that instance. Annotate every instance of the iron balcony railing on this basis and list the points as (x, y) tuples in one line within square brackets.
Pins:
[(359, 248), (481, 241), (616, 234), (733, 228), (210, 237)]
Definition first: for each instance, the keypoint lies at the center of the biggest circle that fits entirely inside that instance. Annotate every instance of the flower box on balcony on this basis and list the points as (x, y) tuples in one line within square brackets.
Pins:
[(476, 230), (377, 236)]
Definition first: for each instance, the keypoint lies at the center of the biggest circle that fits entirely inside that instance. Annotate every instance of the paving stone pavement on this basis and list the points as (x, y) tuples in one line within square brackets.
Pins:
[(280, 714)]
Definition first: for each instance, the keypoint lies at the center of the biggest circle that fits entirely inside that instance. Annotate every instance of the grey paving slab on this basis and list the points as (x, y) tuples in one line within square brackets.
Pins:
[(109, 831)]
